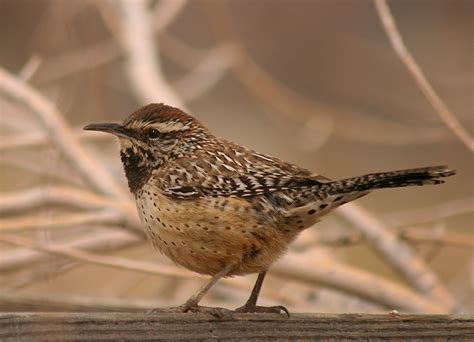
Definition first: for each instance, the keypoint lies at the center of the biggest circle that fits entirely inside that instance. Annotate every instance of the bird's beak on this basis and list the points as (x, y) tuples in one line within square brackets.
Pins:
[(109, 127)]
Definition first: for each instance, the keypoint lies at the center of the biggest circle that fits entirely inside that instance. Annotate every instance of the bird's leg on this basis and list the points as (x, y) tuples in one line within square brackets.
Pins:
[(192, 303), (252, 301), (251, 305)]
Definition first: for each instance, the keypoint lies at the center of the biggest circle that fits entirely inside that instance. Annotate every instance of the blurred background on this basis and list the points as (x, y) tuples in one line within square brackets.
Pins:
[(316, 83)]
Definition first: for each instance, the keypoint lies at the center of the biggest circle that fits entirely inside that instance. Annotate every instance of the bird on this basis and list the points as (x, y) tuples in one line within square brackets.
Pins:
[(220, 209)]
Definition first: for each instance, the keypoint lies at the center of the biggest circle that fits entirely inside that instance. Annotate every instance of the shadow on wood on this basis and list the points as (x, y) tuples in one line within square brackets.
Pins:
[(188, 326)]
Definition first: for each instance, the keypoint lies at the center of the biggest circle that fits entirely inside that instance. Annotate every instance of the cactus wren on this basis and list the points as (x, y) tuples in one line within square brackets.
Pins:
[(220, 209)]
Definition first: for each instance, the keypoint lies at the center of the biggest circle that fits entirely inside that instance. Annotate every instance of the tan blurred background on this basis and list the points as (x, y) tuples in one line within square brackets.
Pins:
[(316, 83)]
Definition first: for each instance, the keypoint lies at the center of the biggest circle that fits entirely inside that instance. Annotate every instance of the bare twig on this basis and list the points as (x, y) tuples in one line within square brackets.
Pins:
[(344, 240), (259, 82), (439, 212), (412, 66), (90, 257), (16, 260), (85, 58), (334, 275), (110, 261), (166, 12), (207, 72), (352, 124), (103, 217), (353, 281), (40, 273), (30, 68), (31, 139), (143, 62), (409, 234), (33, 163), (33, 197), (62, 195), (396, 253), (360, 127), (445, 239), (60, 132)]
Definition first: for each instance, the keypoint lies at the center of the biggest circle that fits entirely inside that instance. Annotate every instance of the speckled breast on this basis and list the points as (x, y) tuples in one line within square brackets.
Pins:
[(206, 234)]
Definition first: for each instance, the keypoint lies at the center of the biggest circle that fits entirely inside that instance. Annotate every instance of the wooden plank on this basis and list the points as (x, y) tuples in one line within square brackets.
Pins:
[(188, 326)]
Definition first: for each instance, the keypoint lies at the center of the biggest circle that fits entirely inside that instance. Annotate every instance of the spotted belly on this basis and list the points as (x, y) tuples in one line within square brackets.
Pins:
[(205, 235)]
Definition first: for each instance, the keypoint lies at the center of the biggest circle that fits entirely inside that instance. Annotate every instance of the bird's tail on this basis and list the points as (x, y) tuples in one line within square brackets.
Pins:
[(392, 179)]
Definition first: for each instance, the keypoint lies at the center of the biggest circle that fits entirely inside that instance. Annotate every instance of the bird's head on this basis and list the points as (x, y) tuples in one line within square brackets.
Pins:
[(153, 135)]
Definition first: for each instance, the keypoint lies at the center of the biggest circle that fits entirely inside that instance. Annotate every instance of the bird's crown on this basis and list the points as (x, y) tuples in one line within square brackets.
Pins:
[(158, 116)]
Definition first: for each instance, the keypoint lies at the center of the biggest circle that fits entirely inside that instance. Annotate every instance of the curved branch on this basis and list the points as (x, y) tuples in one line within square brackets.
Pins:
[(438, 212), (60, 132), (16, 260), (293, 267), (396, 253), (103, 217), (205, 75), (353, 281), (448, 118), (143, 61), (64, 195), (165, 13)]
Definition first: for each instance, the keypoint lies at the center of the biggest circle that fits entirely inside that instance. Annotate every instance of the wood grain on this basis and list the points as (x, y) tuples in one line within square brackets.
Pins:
[(243, 327)]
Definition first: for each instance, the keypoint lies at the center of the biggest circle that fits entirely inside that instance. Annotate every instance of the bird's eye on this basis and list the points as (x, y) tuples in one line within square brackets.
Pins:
[(153, 133)]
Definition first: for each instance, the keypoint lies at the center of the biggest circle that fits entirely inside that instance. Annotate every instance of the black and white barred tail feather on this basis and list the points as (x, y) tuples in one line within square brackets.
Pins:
[(392, 179)]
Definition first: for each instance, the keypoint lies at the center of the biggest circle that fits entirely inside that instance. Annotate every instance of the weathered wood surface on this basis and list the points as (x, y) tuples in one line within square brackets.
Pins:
[(141, 326)]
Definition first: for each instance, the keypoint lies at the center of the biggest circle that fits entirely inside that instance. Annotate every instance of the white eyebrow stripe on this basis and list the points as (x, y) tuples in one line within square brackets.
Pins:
[(169, 126)]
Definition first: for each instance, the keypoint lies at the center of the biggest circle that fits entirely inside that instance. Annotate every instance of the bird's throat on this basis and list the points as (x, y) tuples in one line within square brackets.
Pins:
[(138, 164)]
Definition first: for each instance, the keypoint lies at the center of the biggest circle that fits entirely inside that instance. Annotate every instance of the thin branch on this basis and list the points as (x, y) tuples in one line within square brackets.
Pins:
[(63, 195), (409, 235), (396, 253), (16, 260), (259, 82), (435, 213), (94, 258), (60, 132), (107, 50), (114, 262), (362, 284), (184, 55), (445, 239), (207, 73), (103, 217), (351, 124), (166, 12), (30, 68), (143, 62), (405, 56), (80, 60), (334, 275), (41, 273), (33, 139), (38, 164), (32, 198), (344, 240)]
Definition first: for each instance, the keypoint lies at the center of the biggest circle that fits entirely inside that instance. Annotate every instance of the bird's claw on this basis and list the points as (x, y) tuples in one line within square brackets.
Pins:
[(222, 313), (217, 312), (262, 309)]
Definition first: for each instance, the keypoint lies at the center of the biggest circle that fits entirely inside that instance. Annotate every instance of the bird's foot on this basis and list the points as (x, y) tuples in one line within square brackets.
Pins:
[(279, 309), (217, 312)]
